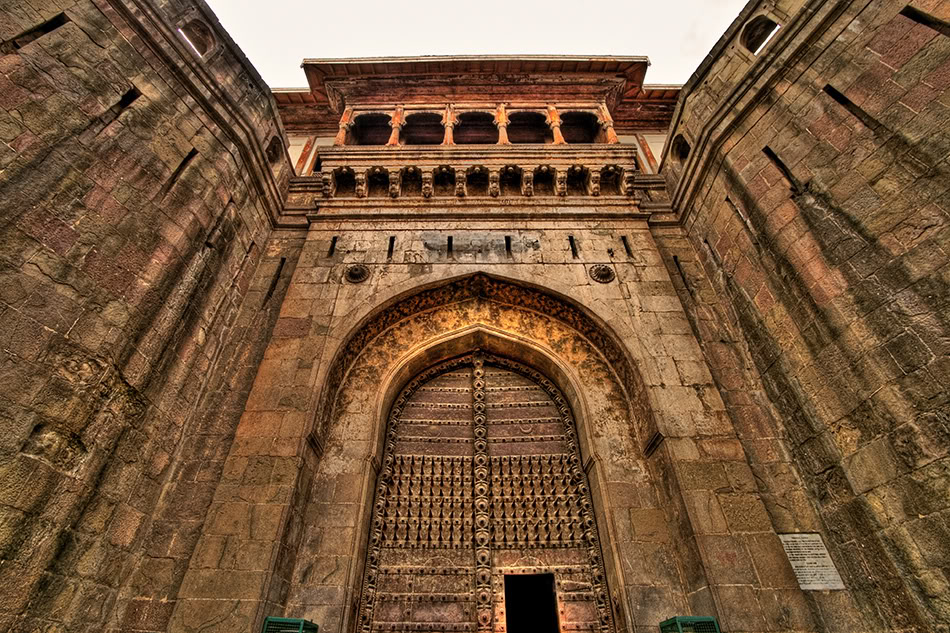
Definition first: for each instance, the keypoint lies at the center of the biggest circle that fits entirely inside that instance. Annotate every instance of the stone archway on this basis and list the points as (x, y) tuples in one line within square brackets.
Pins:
[(526, 325), (481, 480)]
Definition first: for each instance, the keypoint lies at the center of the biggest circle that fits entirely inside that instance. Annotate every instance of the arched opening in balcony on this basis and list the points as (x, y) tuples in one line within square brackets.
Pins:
[(422, 128), (411, 182), (443, 181), (544, 181), (476, 182), (377, 183), (510, 181), (476, 128), (529, 127), (581, 127), (345, 181), (370, 129), (610, 181), (577, 181)]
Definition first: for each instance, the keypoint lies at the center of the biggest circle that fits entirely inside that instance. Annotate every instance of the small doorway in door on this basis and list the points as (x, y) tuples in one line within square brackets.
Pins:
[(530, 603)]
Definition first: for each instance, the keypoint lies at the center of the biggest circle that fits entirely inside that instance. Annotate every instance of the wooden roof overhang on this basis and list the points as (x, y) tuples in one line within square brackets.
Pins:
[(338, 83)]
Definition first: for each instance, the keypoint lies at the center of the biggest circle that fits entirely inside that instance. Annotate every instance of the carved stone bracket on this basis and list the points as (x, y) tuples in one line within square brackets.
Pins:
[(494, 186), (527, 182), (593, 182), (560, 182), (427, 183), (361, 183)]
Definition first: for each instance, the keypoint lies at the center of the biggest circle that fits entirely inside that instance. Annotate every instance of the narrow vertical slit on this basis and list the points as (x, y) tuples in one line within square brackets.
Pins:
[(745, 219), (392, 245), (679, 269), (782, 167), (177, 173), (570, 239), (448, 245), (19, 41), (273, 282), (113, 113), (926, 19), (855, 110), (626, 245), (332, 248), (508, 245)]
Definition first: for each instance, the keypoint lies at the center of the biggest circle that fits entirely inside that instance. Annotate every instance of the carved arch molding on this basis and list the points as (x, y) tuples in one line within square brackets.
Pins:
[(481, 477), (493, 289)]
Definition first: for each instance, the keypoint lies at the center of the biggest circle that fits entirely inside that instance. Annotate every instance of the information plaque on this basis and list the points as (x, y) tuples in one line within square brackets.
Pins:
[(810, 561)]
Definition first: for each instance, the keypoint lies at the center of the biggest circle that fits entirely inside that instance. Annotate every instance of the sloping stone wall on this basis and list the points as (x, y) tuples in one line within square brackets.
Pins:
[(138, 281), (813, 189)]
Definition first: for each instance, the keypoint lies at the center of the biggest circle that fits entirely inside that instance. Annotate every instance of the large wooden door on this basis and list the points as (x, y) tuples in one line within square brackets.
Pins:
[(481, 479)]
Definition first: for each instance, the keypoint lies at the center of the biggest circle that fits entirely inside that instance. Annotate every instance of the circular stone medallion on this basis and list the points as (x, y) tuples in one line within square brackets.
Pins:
[(602, 273), (357, 273)]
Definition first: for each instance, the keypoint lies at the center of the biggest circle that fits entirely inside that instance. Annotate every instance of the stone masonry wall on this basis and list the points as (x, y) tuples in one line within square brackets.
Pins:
[(138, 282), (815, 203), (289, 522)]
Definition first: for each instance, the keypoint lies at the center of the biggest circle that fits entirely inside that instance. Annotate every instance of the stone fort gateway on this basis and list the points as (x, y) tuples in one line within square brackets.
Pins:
[(517, 344)]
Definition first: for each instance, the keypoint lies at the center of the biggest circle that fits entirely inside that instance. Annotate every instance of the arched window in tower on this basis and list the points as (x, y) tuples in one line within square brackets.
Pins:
[(758, 32), (476, 128), (370, 129), (580, 127), (422, 128), (679, 150), (529, 127), (198, 36)]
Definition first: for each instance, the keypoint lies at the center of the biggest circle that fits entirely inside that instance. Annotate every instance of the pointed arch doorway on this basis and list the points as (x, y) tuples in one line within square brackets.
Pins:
[(482, 508)]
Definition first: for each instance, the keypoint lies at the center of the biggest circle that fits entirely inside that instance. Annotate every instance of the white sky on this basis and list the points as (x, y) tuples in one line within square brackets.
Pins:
[(277, 35)]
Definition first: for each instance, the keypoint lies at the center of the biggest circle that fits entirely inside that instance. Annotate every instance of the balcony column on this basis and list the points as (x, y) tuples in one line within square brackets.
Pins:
[(501, 122), (396, 121), (346, 122), (607, 124), (554, 122), (448, 121)]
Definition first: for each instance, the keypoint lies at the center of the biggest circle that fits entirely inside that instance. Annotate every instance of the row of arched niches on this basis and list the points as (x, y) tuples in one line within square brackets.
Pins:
[(479, 180)]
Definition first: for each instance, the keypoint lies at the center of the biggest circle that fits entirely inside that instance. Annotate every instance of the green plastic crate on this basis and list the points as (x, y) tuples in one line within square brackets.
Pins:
[(690, 624), (288, 625)]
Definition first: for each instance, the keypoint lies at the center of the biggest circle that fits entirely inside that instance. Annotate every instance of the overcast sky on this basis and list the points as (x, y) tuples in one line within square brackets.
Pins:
[(278, 34)]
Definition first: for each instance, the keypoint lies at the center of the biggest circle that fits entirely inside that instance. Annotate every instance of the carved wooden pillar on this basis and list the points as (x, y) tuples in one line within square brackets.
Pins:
[(554, 122), (448, 121), (346, 122), (361, 183), (460, 185), (560, 182), (501, 122), (607, 123), (396, 121)]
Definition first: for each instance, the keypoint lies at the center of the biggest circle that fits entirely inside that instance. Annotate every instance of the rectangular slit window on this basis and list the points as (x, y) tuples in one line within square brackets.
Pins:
[(926, 19), (854, 109), (508, 245), (570, 240), (448, 245), (626, 245), (392, 245), (332, 248), (530, 603)]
